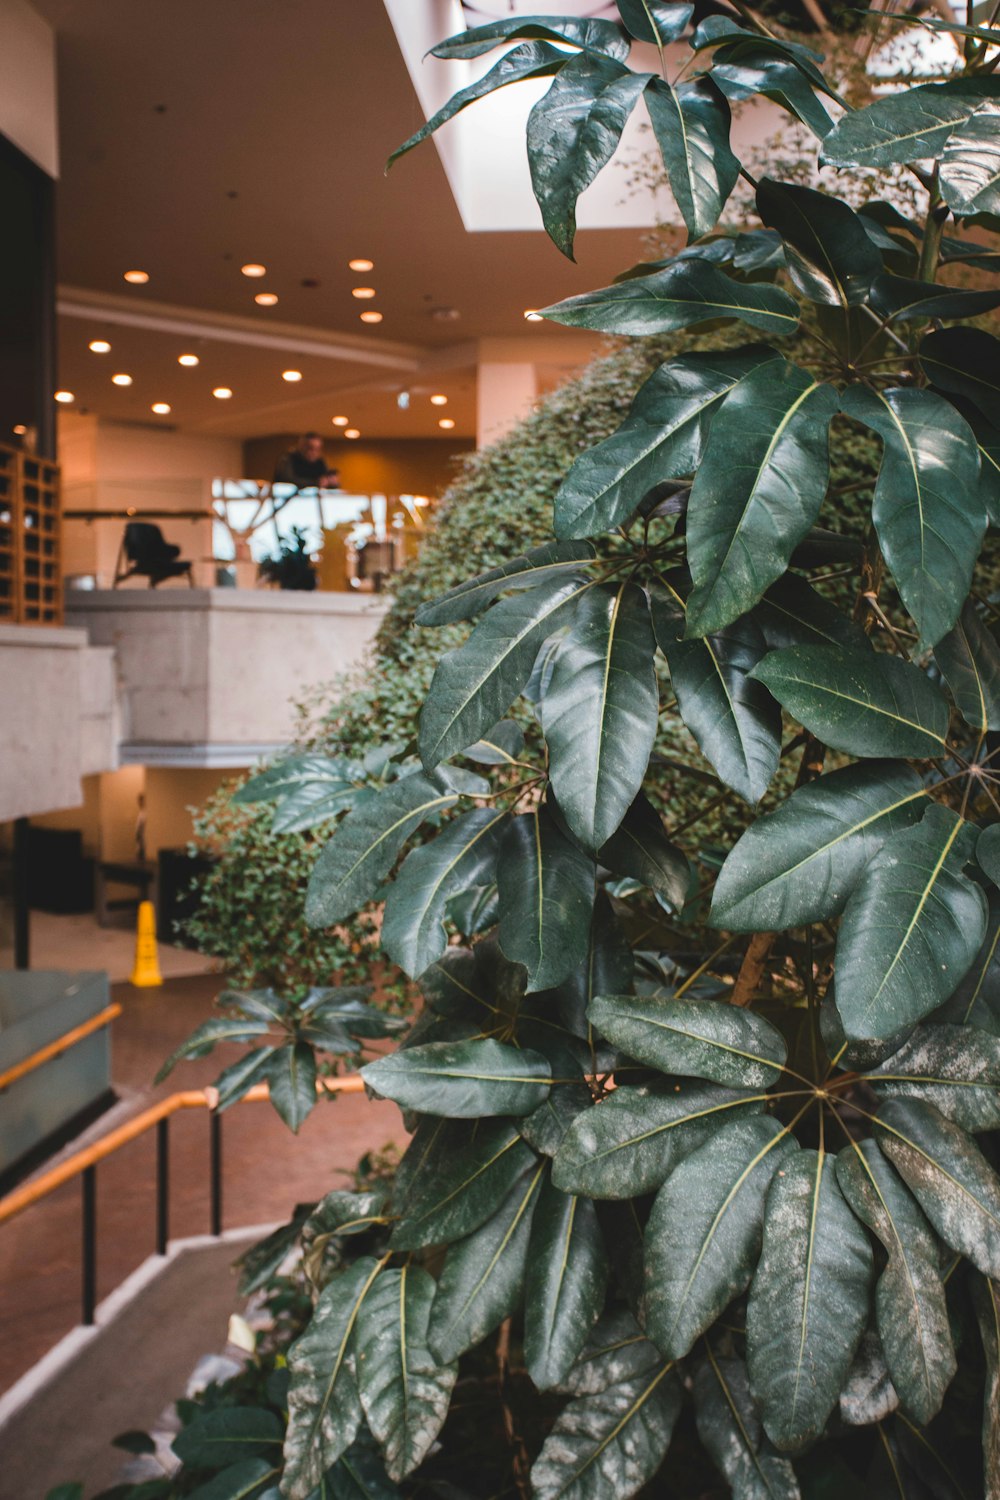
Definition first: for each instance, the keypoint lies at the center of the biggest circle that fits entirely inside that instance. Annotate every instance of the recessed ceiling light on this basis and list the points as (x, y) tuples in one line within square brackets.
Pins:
[(121, 380), (363, 293), (446, 422), (222, 393), (253, 269), (352, 432), (99, 346), (266, 299), (531, 316), (188, 360), (361, 265), (161, 408), (439, 400), (340, 421), (291, 375), (65, 397), (371, 317), (137, 278), (20, 429)]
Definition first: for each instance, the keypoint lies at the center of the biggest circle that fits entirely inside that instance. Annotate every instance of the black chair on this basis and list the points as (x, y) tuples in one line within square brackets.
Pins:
[(149, 556)]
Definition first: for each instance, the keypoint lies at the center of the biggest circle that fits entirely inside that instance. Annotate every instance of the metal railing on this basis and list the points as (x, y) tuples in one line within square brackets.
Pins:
[(84, 1164)]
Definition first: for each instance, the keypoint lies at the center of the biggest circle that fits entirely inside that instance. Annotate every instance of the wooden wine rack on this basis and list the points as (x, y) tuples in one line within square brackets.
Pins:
[(30, 539)]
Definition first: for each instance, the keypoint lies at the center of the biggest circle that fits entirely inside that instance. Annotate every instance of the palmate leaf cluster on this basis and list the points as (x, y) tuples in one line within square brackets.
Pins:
[(773, 1198)]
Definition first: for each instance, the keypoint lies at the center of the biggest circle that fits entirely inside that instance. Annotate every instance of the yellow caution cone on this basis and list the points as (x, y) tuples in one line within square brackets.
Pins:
[(146, 971)]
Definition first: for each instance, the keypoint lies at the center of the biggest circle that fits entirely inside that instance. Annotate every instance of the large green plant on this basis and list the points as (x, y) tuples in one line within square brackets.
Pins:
[(756, 1188)]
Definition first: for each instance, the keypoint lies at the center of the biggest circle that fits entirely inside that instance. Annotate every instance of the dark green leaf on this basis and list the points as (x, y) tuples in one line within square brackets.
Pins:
[(927, 511), (800, 863), (704, 1233), (462, 1080), (204, 1038), (860, 702), (662, 437), (294, 774), (251, 1479), (911, 928), (359, 1475), (606, 967), (687, 292), (404, 1394), (730, 1430), (916, 124), (599, 711), (324, 1409), (695, 1038), (363, 849), (547, 888), (901, 300), (611, 1442), (226, 1436), (137, 1441), (551, 560), (965, 362), (792, 613), (593, 36), (241, 1076), (948, 1175), (500, 746), (658, 21), (869, 1395), (573, 132), (483, 1276), (955, 1068), (808, 1303), (564, 1289), (691, 124), (969, 658), (986, 1300), (615, 1351), (976, 1002), (909, 1298), (630, 1142), (291, 1076), (829, 255), (459, 1188), (475, 685), (758, 490), (641, 850), (758, 67), (988, 852)]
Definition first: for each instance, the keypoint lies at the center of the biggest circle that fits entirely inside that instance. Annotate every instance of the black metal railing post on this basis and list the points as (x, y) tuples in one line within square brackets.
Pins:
[(89, 1185), (162, 1184), (215, 1139)]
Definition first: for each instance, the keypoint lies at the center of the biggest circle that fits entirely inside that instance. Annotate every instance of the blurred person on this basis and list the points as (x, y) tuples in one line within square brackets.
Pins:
[(305, 467)]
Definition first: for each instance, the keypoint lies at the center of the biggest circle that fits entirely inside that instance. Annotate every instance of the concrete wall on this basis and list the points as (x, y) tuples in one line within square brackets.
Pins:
[(387, 466), (28, 84)]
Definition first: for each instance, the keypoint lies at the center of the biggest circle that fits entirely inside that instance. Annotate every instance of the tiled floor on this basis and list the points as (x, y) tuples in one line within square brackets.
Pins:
[(266, 1172)]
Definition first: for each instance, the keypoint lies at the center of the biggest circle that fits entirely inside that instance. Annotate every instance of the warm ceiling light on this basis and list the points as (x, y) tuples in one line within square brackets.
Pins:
[(121, 380), (266, 299), (446, 422), (137, 278), (340, 421), (253, 269), (361, 265), (291, 375), (188, 360), (65, 397), (439, 400), (99, 346), (363, 293), (531, 316), (161, 408), (351, 432), (222, 393), (20, 429), (371, 317)]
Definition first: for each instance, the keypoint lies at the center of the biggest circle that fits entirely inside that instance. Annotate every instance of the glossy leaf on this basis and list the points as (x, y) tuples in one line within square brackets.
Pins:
[(915, 124), (250, 1479), (475, 685), (540, 565), (792, 613), (459, 1188), (291, 1076), (404, 1394), (730, 1430), (500, 746), (926, 510), (969, 658), (573, 132), (948, 1175), (564, 1289), (988, 852), (816, 1267), (292, 774), (758, 67), (464, 854), (359, 1474), (910, 1301), (863, 703), (241, 1076), (734, 720), (830, 257), (911, 928), (365, 844), (900, 300), (640, 849), (976, 1002), (696, 1038), (324, 1409), (547, 888), (605, 967), (704, 1232), (691, 123), (483, 1276), (228, 1435), (600, 709), (965, 362), (462, 1080), (685, 293), (630, 1142), (800, 863), (592, 36), (615, 1350), (757, 491), (208, 1034), (658, 21), (611, 1442), (955, 1068)]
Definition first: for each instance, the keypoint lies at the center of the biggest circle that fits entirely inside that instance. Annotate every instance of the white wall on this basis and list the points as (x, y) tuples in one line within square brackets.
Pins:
[(28, 84)]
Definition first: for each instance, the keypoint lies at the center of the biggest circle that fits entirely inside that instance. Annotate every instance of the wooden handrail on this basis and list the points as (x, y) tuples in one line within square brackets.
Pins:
[(23, 1197), (61, 1044)]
